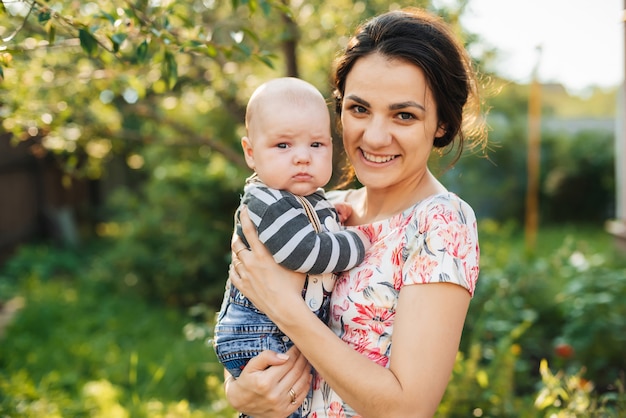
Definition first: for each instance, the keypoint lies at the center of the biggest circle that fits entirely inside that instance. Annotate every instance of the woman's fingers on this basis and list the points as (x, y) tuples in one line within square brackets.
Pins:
[(247, 226), (284, 386), (294, 384), (249, 230), (266, 359), (302, 370)]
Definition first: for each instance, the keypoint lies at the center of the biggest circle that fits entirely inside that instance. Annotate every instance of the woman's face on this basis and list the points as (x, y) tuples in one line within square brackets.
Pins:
[(389, 120)]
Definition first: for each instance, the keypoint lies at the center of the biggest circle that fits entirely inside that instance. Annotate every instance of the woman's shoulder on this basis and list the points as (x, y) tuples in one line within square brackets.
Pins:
[(446, 203)]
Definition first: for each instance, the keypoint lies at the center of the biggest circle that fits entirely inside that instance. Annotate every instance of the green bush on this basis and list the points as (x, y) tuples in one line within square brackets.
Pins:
[(577, 171), (594, 312), (578, 177), (170, 242), (570, 395), (84, 345), (550, 307), (77, 349)]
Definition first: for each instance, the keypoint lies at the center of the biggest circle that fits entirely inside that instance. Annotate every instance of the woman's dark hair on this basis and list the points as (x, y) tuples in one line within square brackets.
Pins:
[(418, 37)]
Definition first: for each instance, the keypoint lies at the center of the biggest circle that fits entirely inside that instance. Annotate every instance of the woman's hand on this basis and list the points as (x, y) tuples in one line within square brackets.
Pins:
[(264, 391), (344, 210), (272, 288)]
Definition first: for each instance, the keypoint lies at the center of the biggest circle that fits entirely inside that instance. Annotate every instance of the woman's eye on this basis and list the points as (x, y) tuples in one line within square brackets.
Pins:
[(358, 109), (405, 116)]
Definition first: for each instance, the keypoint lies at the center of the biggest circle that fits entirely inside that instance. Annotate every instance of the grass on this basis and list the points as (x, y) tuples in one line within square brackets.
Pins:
[(76, 350)]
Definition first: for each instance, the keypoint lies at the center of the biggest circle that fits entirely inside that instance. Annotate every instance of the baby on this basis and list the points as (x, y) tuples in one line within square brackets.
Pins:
[(289, 147)]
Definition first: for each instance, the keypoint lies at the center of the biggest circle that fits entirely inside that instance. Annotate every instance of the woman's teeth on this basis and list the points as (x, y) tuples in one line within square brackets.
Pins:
[(377, 158)]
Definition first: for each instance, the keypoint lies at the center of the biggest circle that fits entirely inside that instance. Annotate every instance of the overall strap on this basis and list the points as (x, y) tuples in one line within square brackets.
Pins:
[(310, 212)]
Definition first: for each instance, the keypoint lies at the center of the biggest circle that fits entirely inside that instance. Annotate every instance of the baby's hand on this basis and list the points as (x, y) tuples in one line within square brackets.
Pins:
[(344, 210)]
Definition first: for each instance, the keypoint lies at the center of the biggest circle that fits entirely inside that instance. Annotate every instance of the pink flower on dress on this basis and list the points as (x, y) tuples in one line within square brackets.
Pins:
[(338, 310), (421, 270), (397, 221), (396, 256), (471, 276), (362, 280), (335, 410), (357, 338), (376, 318), (435, 214), (342, 286), (372, 231), (376, 253), (456, 239), (396, 260), (377, 357)]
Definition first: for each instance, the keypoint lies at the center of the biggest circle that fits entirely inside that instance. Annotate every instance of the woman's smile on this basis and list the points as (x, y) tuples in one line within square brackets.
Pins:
[(377, 158)]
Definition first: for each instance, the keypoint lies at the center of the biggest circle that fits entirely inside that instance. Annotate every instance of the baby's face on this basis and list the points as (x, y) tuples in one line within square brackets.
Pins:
[(290, 147)]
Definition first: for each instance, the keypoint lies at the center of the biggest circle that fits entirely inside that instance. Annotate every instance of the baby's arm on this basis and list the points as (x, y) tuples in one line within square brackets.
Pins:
[(286, 231)]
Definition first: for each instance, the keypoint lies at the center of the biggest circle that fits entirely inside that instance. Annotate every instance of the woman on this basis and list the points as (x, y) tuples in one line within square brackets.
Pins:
[(402, 88)]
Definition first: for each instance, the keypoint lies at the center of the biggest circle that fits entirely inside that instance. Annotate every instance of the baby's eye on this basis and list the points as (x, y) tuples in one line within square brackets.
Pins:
[(316, 144), (282, 145)]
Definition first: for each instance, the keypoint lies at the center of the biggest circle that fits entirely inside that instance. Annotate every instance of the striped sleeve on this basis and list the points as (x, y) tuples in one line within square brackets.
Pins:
[(286, 231)]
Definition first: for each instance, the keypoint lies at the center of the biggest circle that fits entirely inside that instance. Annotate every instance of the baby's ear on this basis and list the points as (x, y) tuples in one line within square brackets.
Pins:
[(248, 152)]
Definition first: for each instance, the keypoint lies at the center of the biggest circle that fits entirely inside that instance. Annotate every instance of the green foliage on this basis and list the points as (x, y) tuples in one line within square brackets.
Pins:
[(84, 346), (579, 177), (563, 395), (577, 169), (94, 81), (170, 242), (595, 318), (76, 349), (552, 307)]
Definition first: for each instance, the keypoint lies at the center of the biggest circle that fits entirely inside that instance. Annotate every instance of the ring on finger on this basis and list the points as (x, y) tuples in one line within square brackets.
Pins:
[(237, 263), (292, 394), (240, 250)]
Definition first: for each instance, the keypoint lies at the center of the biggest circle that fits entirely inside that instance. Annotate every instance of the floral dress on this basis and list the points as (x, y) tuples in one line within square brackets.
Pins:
[(433, 241)]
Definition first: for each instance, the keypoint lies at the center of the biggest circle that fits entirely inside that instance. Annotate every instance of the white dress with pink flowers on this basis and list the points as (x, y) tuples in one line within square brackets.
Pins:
[(435, 240)]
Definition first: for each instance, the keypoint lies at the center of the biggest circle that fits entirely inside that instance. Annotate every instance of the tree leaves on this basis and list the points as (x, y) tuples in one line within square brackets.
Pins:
[(142, 51), (117, 39), (88, 42), (169, 69), (123, 70)]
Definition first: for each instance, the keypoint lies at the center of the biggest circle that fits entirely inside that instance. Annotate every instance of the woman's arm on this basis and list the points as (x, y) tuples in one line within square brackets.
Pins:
[(262, 389), (427, 330)]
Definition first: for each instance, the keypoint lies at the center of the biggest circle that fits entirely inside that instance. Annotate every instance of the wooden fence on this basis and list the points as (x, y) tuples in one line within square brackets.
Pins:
[(34, 202)]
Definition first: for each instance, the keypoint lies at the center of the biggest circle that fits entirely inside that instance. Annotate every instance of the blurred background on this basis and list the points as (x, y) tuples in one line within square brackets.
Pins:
[(120, 170)]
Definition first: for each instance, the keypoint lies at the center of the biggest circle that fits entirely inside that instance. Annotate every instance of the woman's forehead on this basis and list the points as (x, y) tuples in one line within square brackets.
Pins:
[(394, 80)]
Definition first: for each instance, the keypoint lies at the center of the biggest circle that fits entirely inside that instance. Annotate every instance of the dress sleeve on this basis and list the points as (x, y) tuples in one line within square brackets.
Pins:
[(442, 245)]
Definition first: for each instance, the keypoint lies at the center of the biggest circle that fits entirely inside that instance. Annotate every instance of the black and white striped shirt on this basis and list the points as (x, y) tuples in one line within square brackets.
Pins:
[(285, 229)]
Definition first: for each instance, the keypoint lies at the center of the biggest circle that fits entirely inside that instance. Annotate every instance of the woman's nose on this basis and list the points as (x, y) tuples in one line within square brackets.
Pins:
[(376, 133)]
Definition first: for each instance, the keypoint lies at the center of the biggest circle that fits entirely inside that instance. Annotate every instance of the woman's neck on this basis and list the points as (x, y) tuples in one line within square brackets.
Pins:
[(371, 205)]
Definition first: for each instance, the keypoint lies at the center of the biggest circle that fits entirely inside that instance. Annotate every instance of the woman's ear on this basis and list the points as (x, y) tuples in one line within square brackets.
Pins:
[(441, 130), (248, 152)]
